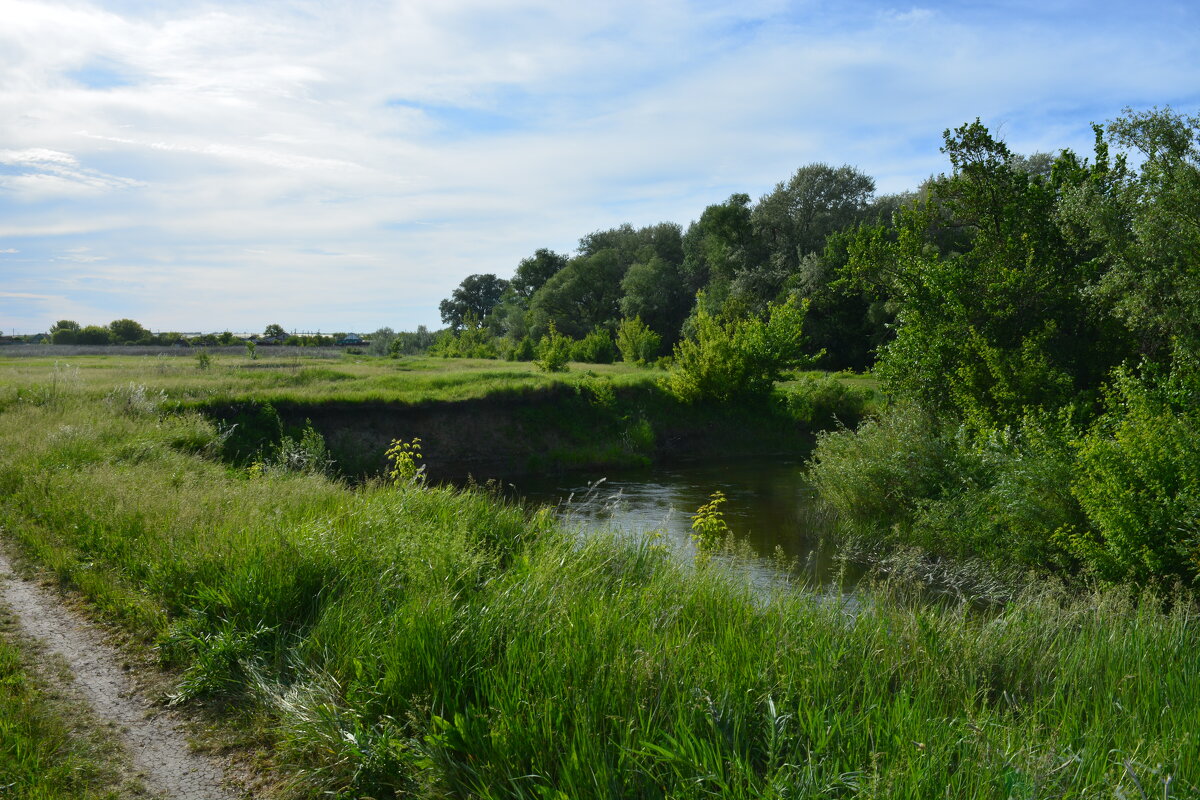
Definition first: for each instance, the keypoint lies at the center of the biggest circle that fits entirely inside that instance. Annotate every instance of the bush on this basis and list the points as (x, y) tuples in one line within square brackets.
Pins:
[(1139, 478), (525, 350), (553, 351), (905, 479), (595, 348), (739, 358), (637, 342), (824, 402)]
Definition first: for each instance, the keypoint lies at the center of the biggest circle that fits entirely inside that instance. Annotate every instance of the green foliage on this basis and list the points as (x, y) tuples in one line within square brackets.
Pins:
[(1138, 478), (524, 350), (637, 342), (736, 359), (595, 348), (127, 331), (403, 457), (304, 453), (1000, 324), (203, 361), (905, 479), (94, 334), (709, 528), (472, 340), (822, 402), (473, 300), (553, 351), (251, 349)]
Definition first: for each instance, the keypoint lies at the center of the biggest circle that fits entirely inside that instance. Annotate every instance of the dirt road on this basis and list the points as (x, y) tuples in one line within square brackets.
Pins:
[(156, 745)]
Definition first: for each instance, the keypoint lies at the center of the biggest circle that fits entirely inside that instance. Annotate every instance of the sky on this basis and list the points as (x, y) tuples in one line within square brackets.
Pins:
[(342, 166)]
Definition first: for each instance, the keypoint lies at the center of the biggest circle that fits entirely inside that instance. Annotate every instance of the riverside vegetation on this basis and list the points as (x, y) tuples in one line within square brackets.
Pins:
[(397, 638)]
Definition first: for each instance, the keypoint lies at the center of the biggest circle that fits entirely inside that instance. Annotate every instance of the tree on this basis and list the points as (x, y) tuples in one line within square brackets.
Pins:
[(65, 331), (738, 358), (795, 218), (583, 295), (126, 331), (1145, 224), (1005, 325), (94, 334), (655, 292), (477, 295), (720, 244), (533, 272), (274, 331)]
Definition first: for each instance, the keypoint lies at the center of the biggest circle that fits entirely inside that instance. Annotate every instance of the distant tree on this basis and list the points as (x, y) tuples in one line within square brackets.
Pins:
[(586, 294), (533, 272), (720, 244), (274, 331), (65, 331), (94, 334), (127, 331), (795, 218), (655, 292), (477, 295)]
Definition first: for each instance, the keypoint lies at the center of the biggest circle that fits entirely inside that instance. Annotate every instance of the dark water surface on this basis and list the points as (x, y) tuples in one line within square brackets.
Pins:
[(770, 508)]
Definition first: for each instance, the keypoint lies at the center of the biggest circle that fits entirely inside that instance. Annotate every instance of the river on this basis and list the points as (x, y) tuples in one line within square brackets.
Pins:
[(770, 507)]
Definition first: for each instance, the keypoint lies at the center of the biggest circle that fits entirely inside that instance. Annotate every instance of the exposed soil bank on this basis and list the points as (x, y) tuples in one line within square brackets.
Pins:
[(156, 746), (539, 433)]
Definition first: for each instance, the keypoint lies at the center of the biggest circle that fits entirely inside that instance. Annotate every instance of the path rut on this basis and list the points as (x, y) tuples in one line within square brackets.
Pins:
[(156, 745)]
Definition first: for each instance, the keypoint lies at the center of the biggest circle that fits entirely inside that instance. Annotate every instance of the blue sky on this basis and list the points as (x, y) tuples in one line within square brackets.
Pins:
[(343, 166)]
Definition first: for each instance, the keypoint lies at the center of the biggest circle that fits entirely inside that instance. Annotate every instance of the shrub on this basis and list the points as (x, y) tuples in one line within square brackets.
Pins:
[(1139, 477), (738, 358), (637, 342), (553, 351), (824, 401), (525, 350), (595, 348)]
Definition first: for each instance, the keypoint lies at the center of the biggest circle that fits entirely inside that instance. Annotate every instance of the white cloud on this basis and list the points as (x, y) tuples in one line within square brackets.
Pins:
[(430, 140)]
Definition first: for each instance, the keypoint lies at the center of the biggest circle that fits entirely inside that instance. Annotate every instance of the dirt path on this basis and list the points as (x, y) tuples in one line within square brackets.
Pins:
[(156, 745)]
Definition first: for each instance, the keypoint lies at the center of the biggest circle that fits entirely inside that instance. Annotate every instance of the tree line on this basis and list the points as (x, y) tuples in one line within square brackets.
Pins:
[(736, 260)]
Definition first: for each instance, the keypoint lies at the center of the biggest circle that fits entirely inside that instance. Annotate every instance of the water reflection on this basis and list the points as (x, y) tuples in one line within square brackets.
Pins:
[(770, 509)]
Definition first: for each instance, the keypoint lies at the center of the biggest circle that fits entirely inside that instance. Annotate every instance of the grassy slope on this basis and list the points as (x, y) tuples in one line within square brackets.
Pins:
[(440, 642)]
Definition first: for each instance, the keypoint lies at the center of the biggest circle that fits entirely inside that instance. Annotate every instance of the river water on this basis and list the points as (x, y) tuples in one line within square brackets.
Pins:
[(770, 508)]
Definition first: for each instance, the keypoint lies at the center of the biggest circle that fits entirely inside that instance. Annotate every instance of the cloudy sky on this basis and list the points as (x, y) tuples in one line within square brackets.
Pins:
[(343, 165)]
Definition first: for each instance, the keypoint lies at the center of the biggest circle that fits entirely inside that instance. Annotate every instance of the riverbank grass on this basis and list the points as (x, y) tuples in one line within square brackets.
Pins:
[(403, 639)]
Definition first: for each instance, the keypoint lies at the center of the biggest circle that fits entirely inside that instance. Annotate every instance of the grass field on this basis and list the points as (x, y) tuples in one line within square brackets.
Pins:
[(405, 640), (279, 377)]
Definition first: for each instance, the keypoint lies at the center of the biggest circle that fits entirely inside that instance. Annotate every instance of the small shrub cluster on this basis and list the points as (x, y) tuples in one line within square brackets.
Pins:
[(739, 357)]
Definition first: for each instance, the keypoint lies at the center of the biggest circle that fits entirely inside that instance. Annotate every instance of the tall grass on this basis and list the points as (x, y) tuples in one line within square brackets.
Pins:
[(445, 643)]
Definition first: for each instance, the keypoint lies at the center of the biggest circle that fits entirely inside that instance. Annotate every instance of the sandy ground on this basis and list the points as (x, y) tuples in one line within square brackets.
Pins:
[(156, 745)]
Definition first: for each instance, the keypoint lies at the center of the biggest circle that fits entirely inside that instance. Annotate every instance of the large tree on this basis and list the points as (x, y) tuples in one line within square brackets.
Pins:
[(127, 331), (533, 272), (1004, 325), (795, 219), (475, 297)]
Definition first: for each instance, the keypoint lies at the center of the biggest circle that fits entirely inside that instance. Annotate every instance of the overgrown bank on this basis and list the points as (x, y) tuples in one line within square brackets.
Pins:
[(585, 423), (401, 639)]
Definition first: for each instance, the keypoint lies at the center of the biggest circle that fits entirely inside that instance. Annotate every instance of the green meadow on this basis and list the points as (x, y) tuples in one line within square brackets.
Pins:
[(393, 639)]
